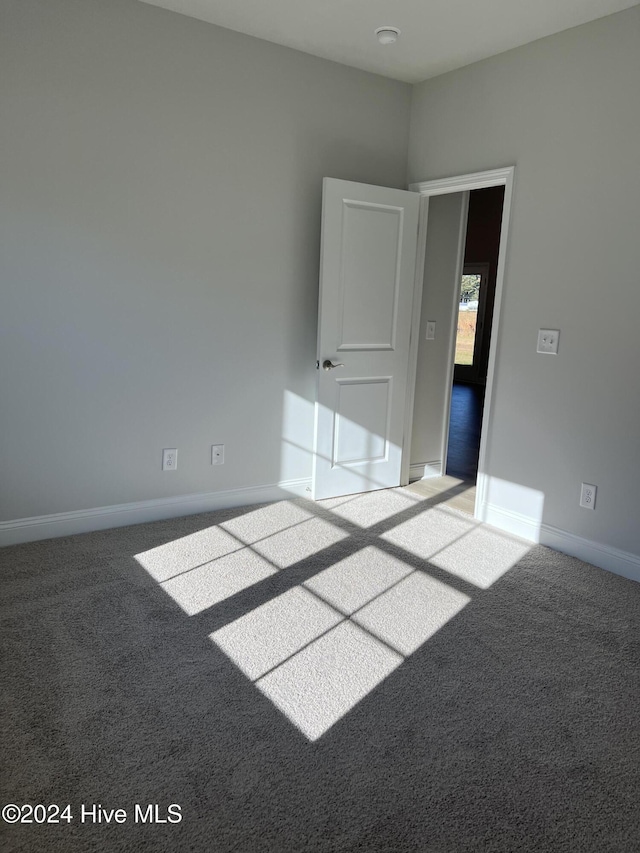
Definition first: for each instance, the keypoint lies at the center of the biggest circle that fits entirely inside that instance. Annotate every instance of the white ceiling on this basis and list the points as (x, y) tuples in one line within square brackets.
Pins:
[(437, 35)]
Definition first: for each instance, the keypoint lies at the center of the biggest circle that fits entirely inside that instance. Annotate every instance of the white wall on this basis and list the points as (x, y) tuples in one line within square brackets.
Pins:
[(433, 373), (566, 111), (160, 213), (159, 217)]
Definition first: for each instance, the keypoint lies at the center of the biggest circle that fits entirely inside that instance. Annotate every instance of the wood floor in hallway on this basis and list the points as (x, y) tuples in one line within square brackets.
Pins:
[(465, 423)]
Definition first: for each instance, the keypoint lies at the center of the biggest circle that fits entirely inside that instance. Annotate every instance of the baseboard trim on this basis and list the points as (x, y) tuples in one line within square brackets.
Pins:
[(510, 521), (20, 530), (425, 470), (604, 556)]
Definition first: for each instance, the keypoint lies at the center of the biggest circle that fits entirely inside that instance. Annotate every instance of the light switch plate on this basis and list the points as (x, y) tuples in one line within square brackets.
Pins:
[(548, 341), (431, 330)]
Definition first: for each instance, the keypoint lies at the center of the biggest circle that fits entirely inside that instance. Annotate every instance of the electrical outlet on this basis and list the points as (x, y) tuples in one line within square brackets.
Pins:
[(588, 496), (548, 341), (170, 459), (431, 330), (217, 454)]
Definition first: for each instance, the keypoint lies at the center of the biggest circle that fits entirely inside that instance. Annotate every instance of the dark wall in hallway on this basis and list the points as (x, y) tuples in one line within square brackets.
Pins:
[(482, 245)]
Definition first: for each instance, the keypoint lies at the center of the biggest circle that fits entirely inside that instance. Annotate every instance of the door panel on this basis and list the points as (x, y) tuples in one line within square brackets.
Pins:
[(367, 274), (371, 240), (362, 401)]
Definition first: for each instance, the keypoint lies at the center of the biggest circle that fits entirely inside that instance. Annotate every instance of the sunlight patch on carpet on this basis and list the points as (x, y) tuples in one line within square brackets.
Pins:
[(355, 581), (205, 568), (324, 644), (270, 634), (317, 687), (318, 649), (482, 556), (284, 538), (186, 553), (429, 532), (200, 588), (460, 545), (407, 615), (371, 508)]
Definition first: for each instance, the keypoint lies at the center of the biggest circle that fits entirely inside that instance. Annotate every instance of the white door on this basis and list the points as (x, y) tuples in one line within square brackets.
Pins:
[(367, 273)]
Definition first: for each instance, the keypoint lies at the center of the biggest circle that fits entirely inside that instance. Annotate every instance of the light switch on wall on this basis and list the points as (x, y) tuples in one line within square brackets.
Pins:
[(548, 340), (431, 330)]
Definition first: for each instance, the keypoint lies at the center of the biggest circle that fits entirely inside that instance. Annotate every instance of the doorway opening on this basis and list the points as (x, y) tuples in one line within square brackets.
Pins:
[(475, 310), (453, 403)]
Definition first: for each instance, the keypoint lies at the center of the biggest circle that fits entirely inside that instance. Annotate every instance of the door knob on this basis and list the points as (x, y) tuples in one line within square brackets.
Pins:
[(327, 364)]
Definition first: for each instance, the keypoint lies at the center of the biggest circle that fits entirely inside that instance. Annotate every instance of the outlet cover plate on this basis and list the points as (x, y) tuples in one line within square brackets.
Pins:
[(170, 459), (588, 496), (548, 341)]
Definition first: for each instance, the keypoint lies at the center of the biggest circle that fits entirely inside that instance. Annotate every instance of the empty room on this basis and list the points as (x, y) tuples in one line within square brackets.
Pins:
[(261, 267)]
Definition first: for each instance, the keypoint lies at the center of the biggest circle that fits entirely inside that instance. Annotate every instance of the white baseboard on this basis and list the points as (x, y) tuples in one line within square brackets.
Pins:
[(425, 470), (32, 529), (510, 521), (604, 556)]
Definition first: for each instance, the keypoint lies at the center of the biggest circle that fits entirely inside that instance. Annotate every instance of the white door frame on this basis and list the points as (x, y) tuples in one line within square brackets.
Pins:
[(503, 177)]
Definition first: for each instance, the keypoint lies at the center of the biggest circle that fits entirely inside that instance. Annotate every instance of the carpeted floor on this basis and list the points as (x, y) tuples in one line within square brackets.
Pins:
[(375, 673)]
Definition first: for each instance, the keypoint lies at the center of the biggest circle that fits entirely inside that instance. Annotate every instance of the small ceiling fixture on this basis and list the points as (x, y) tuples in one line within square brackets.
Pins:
[(387, 35)]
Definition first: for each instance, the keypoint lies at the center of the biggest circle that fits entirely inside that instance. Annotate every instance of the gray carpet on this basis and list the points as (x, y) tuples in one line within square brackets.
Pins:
[(377, 673)]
